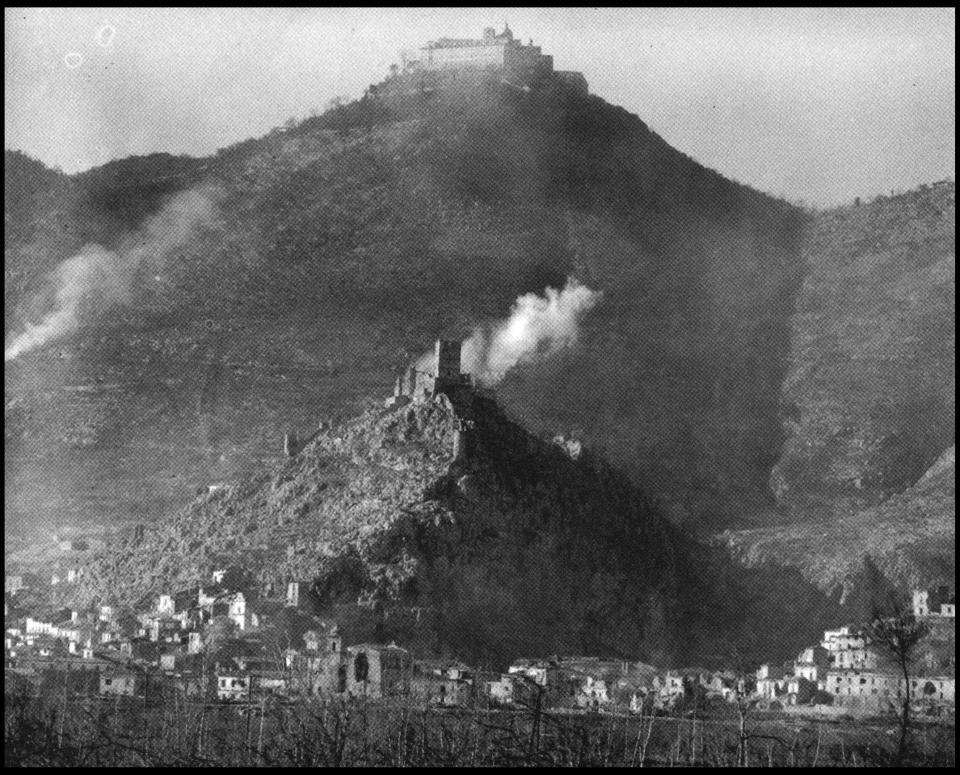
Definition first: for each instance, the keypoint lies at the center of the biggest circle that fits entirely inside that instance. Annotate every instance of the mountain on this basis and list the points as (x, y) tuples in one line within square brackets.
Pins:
[(866, 476), (491, 546), (784, 376), (869, 396), (344, 245)]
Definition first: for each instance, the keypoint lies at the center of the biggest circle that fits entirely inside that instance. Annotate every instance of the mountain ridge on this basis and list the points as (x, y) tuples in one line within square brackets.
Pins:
[(419, 220), (750, 365)]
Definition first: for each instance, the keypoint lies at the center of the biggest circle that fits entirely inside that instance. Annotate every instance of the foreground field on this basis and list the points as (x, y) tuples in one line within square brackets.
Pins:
[(51, 731)]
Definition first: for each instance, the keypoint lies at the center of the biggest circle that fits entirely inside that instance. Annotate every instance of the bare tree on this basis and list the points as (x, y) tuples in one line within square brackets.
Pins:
[(897, 632)]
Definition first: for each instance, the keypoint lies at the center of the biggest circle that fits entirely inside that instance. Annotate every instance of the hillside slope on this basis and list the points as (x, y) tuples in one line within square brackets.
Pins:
[(510, 548), (869, 397), (907, 541), (344, 245), (867, 473)]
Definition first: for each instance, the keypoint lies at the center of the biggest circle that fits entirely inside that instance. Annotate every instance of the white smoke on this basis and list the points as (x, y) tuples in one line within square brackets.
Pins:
[(538, 327), (106, 277)]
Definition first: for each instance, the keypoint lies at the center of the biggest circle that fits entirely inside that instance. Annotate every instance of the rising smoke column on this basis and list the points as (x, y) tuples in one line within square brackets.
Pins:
[(106, 275), (538, 327)]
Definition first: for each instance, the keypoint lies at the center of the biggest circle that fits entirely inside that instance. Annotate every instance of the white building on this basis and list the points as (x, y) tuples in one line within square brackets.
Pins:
[(120, 684), (240, 611), (38, 627), (939, 602), (501, 691), (535, 670), (812, 664), (233, 686), (848, 649)]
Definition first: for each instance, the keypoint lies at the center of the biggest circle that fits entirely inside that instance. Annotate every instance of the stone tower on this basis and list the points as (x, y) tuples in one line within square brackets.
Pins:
[(447, 362)]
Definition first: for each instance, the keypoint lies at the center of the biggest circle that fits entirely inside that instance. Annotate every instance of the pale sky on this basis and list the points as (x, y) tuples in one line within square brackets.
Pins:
[(819, 105)]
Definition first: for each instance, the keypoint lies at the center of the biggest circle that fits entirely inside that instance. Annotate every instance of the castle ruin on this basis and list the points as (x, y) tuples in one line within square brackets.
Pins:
[(420, 384)]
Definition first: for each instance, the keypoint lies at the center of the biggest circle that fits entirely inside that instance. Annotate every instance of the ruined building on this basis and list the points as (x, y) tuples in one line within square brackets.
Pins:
[(425, 380), (419, 383), (447, 60)]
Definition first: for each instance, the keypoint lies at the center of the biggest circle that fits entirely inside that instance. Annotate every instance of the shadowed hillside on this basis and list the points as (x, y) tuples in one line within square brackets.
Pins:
[(341, 246)]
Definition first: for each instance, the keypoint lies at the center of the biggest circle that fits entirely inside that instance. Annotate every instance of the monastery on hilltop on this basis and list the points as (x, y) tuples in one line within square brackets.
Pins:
[(447, 60)]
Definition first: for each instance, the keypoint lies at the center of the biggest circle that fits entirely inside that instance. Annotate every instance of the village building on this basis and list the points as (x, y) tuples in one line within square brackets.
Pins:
[(13, 584), (771, 682), (441, 683), (68, 629), (855, 688), (875, 690), (848, 649), (38, 626), (240, 610), (375, 670), (194, 642), (812, 664), (177, 602), (800, 690), (939, 602), (671, 686), (592, 693), (500, 691), (299, 594), (321, 669), (209, 594), (233, 686), (934, 689), (164, 629), (267, 683), (536, 670), (120, 683)]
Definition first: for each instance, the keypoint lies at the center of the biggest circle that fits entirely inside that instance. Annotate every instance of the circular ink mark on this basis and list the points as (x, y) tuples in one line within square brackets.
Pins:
[(73, 60), (209, 324), (104, 36)]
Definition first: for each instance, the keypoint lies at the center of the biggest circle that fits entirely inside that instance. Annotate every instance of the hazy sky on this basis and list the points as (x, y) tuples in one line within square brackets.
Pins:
[(814, 104)]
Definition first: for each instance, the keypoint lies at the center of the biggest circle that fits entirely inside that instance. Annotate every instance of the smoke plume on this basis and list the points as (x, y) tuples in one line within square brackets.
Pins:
[(538, 327), (105, 277)]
